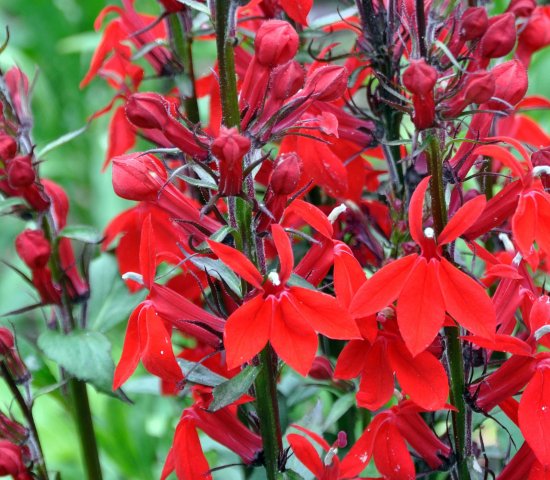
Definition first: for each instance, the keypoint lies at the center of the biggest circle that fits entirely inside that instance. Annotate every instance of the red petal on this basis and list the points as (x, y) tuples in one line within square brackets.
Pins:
[(420, 308), (297, 10), (122, 136), (348, 274), (391, 456), (466, 301), (247, 330), (463, 219), (130, 351), (158, 357), (382, 288), (306, 453), (351, 359), (534, 413), (423, 377), (416, 210), (323, 313), (524, 223), (376, 387), (502, 343), (311, 215), (292, 336), (543, 222), (502, 155), (147, 253), (186, 447), (284, 249), (237, 262)]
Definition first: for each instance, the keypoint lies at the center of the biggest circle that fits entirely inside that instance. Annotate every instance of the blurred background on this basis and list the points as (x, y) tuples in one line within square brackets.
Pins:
[(52, 41)]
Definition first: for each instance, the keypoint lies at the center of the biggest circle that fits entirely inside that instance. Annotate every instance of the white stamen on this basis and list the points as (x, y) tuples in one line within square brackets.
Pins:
[(429, 232), (329, 456), (508, 245), (274, 278), (541, 170), (336, 212)]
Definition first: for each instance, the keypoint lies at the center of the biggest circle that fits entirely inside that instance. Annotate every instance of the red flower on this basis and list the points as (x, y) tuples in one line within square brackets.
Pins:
[(287, 316), (428, 285)]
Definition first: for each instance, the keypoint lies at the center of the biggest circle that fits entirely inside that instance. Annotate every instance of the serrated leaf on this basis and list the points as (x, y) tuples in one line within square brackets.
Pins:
[(339, 408), (199, 374), (231, 390), (61, 141), (82, 233), (196, 6), (85, 355), (110, 301)]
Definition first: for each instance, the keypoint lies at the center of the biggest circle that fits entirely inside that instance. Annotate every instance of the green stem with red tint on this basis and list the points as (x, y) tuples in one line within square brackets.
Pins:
[(452, 334)]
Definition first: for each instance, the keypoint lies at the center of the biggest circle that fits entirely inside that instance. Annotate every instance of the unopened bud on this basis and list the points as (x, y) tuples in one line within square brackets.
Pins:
[(33, 248), (286, 174), (147, 110), (20, 172), (8, 147), (138, 177), (474, 23), (500, 37), (276, 43), (229, 148), (9, 355), (511, 84), (419, 78), (12, 430), (522, 8), (321, 369), (287, 79), (327, 83), (480, 87)]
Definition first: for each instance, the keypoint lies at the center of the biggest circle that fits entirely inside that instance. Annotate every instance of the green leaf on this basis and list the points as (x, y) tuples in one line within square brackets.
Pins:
[(217, 269), (110, 301), (233, 389), (7, 204), (85, 355), (289, 475), (296, 280), (199, 374), (196, 6), (339, 408), (198, 183), (61, 141), (220, 234), (82, 233)]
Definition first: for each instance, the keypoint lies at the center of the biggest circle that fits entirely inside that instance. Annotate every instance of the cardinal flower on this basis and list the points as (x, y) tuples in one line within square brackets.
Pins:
[(287, 316), (428, 285)]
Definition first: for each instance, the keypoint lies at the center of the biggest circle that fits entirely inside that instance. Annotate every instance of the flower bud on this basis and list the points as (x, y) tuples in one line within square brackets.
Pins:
[(286, 174), (500, 37), (510, 84), (20, 172), (419, 78), (10, 357), (327, 83), (321, 369), (12, 430), (33, 248), (474, 23), (522, 8), (229, 148), (147, 110), (8, 147), (276, 43), (287, 79), (138, 177), (11, 461), (480, 87)]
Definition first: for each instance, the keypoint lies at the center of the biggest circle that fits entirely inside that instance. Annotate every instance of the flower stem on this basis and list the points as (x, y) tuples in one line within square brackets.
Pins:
[(452, 334), (83, 418), (268, 411)]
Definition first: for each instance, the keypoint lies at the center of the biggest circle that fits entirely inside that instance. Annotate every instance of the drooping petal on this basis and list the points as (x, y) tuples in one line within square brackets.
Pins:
[(524, 223), (382, 288), (130, 351), (292, 337), (348, 274), (420, 308), (323, 313), (463, 219), (238, 262), (147, 253), (391, 456), (351, 359), (534, 413), (423, 377), (247, 330), (376, 387), (284, 249), (158, 356), (311, 215), (502, 343), (416, 209), (189, 460), (466, 301), (306, 453)]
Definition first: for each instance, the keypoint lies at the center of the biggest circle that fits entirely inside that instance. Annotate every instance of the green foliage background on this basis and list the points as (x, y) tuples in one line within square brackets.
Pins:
[(52, 41)]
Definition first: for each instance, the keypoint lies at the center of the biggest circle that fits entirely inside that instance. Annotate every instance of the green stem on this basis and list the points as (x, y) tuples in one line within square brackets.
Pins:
[(182, 42), (83, 418), (268, 411), (454, 346), (226, 65)]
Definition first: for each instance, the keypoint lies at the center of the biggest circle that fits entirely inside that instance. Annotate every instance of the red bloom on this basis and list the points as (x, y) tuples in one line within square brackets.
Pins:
[(287, 316), (428, 285)]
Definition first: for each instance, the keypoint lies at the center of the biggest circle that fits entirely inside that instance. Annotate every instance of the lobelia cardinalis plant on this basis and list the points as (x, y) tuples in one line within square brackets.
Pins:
[(341, 234)]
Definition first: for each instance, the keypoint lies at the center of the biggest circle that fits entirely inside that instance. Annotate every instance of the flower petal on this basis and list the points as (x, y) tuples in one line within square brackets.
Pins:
[(391, 456), (238, 262), (284, 249), (463, 219), (130, 351), (416, 210), (524, 223), (306, 453), (351, 359), (376, 387)]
